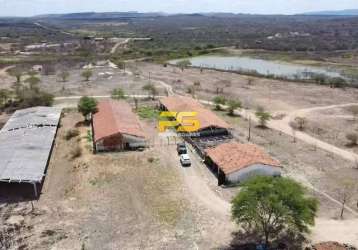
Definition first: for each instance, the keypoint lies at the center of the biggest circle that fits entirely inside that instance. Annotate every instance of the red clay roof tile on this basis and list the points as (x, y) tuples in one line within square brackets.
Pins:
[(206, 117), (115, 117), (231, 157)]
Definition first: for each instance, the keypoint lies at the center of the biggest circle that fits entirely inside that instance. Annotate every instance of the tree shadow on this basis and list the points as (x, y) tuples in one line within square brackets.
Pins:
[(250, 240), (233, 115), (351, 145), (82, 124), (264, 127)]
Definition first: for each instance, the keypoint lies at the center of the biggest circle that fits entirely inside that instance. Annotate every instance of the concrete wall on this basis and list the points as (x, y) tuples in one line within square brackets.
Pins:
[(134, 141), (253, 170)]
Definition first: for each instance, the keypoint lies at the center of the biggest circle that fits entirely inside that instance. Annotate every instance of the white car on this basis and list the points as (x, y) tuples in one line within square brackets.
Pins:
[(185, 160)]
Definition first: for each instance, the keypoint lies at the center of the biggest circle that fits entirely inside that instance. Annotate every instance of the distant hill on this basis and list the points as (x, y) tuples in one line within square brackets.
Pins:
[(352, 12), (100, 15)]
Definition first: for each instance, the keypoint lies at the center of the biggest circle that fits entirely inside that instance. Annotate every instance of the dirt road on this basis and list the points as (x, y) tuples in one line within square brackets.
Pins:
[(127, 40), (121, 43), (284, 127)]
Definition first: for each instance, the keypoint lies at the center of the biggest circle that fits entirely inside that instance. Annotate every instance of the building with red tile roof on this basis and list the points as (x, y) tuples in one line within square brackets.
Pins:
[(236, 162), (209, 121), (116, 127)]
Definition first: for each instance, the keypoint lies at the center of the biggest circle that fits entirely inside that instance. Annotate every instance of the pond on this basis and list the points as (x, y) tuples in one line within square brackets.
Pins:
[(259, 66)]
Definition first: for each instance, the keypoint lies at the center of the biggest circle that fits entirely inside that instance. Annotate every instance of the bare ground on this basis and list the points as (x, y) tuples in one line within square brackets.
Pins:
[(132, 200), (128, 201), (332, 126), (276, 96)]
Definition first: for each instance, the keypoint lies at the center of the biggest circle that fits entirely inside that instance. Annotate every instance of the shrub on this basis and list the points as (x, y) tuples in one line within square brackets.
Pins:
[(183, 64), (219, 100), (71, 133), (337, 82), (352, 138), (263, 116), (151, 89), (33, 82), (87, 74), (64, 75), (299, 123), (76, 152), (118, 94), (151, 159), (232, 106)]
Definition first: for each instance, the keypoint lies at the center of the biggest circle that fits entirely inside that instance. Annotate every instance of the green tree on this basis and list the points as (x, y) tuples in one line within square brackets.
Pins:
[(87, 106), (121, 64), (263, 116), (273, 206), (87, 74), (232, 106), (118, 94), (337, 82), (17, 73), (64, 75), (32, 73), (33, 98), (18, 89), (151, 89), (33, 82), (183, 64), (4, 96), (219, 100)]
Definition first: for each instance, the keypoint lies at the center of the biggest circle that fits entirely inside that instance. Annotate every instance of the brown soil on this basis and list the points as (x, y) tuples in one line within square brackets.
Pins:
[(128, 200)]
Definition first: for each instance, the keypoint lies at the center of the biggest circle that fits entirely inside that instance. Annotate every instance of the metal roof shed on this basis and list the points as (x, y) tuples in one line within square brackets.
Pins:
[(26, 143)]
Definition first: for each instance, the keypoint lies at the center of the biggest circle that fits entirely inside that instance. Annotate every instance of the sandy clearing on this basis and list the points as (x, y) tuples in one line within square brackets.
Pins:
[(335, 230)]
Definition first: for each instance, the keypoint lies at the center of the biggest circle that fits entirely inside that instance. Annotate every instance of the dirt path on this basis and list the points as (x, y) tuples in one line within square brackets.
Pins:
[(3, 71), (199, 187), (117, 45), (126, 41), (284, 127)]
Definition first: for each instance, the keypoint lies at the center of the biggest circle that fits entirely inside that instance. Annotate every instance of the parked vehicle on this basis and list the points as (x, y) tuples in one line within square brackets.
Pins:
[(181, 148), (185, 160)]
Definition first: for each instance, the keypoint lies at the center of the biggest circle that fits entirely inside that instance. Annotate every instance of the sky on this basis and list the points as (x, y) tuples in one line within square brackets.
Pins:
[(36, 7)]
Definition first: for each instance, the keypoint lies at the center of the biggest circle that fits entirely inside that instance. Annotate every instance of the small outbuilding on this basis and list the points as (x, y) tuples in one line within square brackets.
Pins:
[(116, 128), (210, 123), (234, 162)]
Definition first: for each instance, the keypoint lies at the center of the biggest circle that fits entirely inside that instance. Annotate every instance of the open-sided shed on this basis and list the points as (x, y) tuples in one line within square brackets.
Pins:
[(210, 123), (26, 143)]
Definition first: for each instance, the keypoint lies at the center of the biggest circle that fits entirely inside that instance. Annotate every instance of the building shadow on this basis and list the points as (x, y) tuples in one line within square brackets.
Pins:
[(15, 192)]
